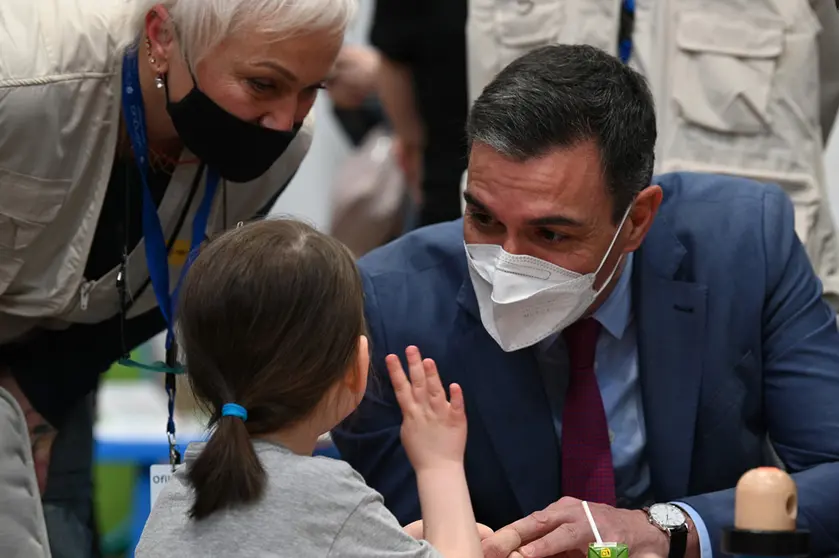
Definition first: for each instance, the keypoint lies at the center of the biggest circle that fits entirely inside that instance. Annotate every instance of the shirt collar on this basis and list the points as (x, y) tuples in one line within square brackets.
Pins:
[(615, 312)]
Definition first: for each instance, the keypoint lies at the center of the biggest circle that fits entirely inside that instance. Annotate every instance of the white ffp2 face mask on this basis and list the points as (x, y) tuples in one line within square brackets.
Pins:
[(523, 299)]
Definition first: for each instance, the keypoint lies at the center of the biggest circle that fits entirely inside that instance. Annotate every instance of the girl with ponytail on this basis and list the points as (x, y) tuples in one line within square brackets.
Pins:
[(271, 321)]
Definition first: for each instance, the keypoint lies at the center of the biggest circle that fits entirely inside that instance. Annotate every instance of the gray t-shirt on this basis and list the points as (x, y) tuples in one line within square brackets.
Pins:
[(312, 507)]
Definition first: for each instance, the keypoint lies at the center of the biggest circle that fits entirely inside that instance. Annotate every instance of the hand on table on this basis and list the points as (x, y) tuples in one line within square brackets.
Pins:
[(415, 530), (41, 433), (562, 528)]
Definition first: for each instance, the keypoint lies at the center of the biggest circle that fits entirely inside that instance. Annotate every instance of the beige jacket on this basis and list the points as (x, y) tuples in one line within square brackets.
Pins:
[(60, 88), (742, 87)]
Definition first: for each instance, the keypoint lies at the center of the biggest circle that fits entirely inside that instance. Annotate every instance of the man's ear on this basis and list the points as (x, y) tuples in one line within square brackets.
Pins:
[(356, 378), (641, 216)]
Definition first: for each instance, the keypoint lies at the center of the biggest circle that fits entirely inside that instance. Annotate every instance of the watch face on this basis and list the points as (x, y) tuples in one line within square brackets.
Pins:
[(667, 516)]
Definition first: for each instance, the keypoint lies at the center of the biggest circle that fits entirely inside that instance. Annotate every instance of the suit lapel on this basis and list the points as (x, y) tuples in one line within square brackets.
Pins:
[(671, 340), (507, 392)]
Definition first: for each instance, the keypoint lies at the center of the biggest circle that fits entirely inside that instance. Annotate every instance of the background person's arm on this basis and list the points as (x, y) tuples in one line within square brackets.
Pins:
[(395, 29), (354, 77), (396, 91), (801, 385)]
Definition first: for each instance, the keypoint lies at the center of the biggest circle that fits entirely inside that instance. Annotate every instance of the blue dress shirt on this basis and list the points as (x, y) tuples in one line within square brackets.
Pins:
[(616, 368)]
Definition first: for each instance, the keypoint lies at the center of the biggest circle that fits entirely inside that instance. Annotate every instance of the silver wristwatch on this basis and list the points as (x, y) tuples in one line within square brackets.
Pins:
[(673, 521)]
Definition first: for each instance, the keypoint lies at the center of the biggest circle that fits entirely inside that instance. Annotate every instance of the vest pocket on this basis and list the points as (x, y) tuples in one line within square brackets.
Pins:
[(724, 69), (27, 206), (527, 24)]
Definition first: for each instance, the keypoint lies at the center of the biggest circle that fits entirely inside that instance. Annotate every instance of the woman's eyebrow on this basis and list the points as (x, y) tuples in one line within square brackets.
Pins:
[(270, 64)]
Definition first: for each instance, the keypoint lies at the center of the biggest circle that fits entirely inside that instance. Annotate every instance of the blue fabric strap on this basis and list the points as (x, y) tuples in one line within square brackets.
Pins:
[(625, 44), (234, 410), (157, 253)]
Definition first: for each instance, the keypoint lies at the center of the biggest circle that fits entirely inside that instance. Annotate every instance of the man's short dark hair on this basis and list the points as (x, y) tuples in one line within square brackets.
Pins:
[(563, 95)]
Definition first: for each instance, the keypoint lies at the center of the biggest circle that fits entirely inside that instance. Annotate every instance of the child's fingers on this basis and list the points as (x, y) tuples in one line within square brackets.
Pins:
[(456, 398), (417, 373), (436, 394), (401, 385)]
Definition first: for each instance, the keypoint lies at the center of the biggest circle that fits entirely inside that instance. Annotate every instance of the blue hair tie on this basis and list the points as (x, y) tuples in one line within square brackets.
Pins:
[(234, 410)]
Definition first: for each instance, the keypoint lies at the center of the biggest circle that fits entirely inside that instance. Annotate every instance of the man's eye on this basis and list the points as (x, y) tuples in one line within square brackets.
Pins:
[(481, 218), (551, 236)]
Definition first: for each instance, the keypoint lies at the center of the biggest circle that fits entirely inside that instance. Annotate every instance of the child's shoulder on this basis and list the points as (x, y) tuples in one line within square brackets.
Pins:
[(333, 480)]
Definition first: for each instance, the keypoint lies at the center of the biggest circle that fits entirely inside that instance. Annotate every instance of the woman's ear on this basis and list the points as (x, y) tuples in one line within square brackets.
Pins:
[(356, 379), (161, 44)]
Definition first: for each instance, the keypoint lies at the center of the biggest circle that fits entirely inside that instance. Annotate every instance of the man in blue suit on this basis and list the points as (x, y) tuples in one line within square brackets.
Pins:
[(636, 346)]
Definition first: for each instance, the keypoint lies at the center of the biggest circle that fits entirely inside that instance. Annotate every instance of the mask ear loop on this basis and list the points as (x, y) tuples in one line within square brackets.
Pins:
[(164, 79), (609, 251)]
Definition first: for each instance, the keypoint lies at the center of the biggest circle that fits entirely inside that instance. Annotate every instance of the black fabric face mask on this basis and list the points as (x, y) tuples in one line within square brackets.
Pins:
[(240, 151)]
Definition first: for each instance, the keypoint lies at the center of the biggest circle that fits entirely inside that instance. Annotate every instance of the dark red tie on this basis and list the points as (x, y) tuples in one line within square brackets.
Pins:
[(587, 469)]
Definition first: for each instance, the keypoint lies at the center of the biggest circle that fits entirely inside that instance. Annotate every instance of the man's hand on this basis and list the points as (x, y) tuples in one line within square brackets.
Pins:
[(41, 433), (562, 528), (415, 530)]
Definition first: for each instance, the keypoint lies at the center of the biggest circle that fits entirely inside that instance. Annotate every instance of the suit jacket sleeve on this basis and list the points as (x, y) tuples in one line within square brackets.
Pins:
[(369, 439), (800, 356)]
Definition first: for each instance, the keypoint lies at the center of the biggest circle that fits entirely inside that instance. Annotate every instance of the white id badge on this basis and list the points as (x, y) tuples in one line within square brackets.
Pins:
[(159, 475)]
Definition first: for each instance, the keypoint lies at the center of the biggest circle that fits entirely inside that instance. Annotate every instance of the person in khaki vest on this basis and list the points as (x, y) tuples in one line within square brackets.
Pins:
[(742, 87), (129, 132)]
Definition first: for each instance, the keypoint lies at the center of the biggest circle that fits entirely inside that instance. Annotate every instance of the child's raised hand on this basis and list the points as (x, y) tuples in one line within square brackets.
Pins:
[(433, 429)]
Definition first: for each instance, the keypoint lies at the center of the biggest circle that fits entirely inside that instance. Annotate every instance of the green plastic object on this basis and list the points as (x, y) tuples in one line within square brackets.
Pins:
[(608, 550)]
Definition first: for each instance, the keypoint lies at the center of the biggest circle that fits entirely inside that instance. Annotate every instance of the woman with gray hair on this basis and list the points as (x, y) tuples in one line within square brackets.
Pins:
[(129, 131)]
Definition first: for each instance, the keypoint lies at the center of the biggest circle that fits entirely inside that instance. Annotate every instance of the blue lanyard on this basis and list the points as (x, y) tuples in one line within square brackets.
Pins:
[(157, 253), (625, 46)]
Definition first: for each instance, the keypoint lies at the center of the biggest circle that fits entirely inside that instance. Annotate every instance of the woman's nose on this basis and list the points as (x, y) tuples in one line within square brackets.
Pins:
[(281, 115), (285, 112), (278, 120)]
